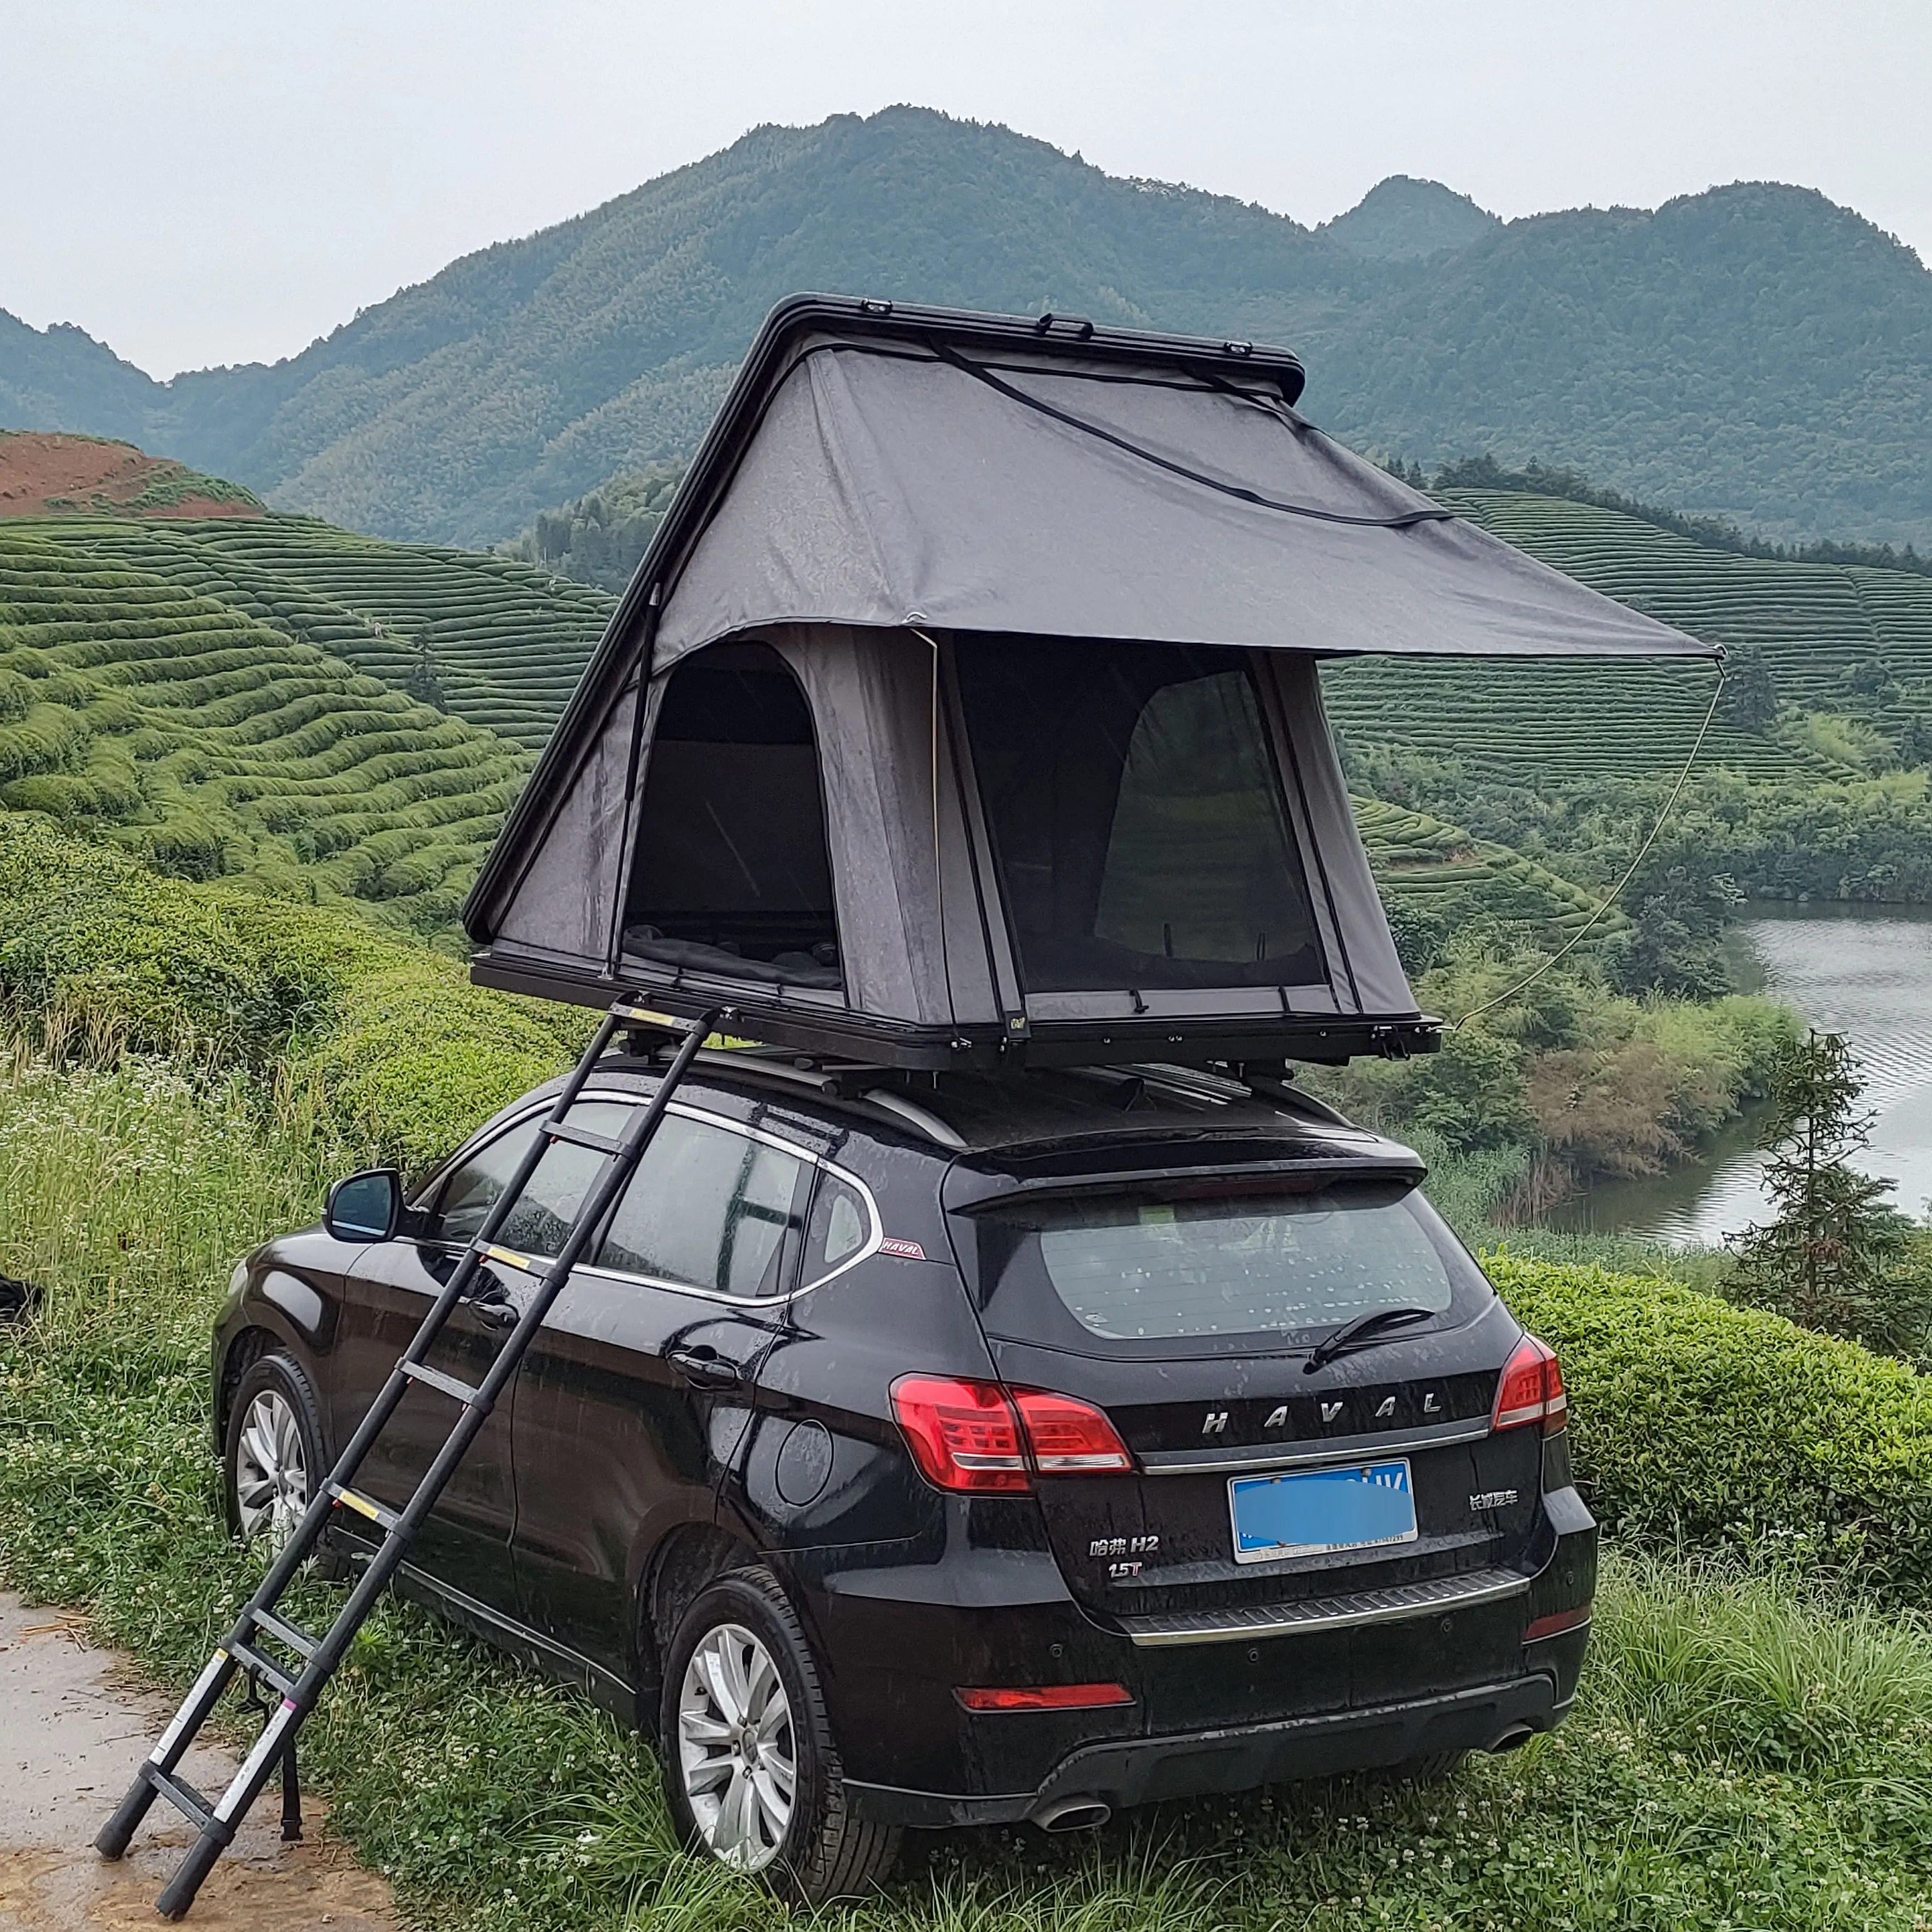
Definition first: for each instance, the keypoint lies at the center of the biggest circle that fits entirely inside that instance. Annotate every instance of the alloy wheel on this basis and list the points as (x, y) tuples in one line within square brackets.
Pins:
[(736, 1748), (271, 1469)]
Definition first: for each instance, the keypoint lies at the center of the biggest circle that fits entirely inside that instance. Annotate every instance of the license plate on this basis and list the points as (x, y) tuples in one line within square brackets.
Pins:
[(1317, 1512)]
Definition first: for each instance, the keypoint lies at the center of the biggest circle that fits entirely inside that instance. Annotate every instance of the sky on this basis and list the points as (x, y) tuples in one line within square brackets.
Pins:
[(203, 181)]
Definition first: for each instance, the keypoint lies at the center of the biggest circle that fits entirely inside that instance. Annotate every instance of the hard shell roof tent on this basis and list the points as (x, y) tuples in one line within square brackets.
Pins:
[(964, 710)]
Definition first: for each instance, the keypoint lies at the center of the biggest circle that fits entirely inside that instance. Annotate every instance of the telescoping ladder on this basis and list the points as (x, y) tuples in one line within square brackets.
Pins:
[(300, 1683)]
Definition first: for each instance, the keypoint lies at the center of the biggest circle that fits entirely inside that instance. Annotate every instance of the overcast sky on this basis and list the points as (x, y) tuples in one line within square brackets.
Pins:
[(216, 181)]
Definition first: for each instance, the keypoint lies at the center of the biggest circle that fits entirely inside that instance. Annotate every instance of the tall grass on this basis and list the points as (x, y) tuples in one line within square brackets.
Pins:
[(1745, 1752)]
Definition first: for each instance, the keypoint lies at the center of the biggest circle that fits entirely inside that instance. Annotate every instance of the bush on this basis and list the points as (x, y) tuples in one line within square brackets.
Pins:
[(404, 1054), (1698, 1424)]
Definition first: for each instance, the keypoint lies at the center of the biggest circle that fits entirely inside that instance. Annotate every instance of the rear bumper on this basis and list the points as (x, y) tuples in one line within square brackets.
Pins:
[(1233, 1698), (1140, 1770)]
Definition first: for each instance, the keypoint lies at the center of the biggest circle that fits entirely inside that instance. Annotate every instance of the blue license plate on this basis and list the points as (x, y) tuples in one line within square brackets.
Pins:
[(1317, 1512)]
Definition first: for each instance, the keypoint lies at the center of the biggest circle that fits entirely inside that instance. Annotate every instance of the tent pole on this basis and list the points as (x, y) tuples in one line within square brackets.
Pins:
[(627, 843)]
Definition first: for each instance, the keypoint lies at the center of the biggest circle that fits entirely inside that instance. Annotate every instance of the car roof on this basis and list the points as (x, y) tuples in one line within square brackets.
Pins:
[(1002, 1120)]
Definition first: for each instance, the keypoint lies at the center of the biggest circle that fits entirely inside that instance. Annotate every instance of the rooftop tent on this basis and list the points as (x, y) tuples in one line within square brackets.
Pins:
[(964, 710)]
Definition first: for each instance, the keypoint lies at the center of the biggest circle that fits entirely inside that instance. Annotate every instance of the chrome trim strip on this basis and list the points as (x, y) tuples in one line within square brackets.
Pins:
[(1328, 1613), (1342, 1448), (874, 1241)]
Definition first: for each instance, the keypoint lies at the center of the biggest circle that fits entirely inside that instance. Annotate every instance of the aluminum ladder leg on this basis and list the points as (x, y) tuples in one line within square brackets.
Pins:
[(299, 1683)]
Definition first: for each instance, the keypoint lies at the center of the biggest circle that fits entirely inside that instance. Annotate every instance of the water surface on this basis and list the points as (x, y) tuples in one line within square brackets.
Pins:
[(1864, 971)]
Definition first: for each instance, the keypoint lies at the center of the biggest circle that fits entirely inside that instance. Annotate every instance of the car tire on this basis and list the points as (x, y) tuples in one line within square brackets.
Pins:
[(1431, 1768), (739, 1653), (273, 1458)]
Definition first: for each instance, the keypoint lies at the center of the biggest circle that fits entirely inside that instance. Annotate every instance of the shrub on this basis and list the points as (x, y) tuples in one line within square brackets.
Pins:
[(405, 1055), (1699, 1424)]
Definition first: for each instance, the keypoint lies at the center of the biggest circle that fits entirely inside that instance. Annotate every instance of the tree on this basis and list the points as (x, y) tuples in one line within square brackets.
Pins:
[(425, 681), (1678, 909), (1837, 1256), (1749, 701)]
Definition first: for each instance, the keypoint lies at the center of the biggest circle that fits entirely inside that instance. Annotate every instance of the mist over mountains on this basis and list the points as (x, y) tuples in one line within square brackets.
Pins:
[(1753, 351)]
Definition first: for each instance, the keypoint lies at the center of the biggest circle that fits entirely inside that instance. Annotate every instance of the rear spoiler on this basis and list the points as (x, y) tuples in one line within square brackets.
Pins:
[(971, 1187)]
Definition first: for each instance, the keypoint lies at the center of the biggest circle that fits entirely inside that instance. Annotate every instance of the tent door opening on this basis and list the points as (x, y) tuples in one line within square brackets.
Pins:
[(731, 874), (1136, 811)]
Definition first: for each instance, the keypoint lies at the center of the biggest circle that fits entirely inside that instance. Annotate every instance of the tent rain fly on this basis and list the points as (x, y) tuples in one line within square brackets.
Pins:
[(965, 710)]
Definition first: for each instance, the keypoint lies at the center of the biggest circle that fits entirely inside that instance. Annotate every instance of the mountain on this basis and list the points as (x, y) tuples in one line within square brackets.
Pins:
[(1752, 351), (1405, 219)]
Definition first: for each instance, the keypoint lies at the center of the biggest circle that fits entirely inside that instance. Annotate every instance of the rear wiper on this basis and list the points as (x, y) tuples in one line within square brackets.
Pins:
[(1350, 1333)]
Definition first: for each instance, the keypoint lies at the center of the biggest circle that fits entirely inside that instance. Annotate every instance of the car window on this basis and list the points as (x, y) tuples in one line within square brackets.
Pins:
[(541, 1218), (1133, 1272), (840, 1225), (709, 1209)]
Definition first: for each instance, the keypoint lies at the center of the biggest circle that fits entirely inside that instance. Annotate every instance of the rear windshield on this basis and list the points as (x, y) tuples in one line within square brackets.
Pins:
[(1273, 1267)]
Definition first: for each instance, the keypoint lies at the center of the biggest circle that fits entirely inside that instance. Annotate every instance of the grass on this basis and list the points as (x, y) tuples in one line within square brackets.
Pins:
[(1750, 1750)]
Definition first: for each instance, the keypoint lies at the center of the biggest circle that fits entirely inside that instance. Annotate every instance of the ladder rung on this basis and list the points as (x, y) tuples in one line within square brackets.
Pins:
[(257, 1665), (623, 1010), (435, 1378), (181, 1795), (299, 1641), (363, 1505), (561, 1130), (488, 1251)]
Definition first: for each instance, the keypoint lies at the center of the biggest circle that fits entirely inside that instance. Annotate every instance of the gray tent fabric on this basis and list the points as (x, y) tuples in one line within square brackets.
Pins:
[(564, 911), (1030, 615), (870, 694), (1355, 932), (889, 488)]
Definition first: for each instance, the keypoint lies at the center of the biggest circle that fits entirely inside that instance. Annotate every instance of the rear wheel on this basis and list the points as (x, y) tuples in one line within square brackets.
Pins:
[(751, 1772), (1432, 1768)]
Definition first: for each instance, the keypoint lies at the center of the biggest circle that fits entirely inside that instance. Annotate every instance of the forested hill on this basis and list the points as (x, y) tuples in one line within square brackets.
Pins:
[(1752, 351)]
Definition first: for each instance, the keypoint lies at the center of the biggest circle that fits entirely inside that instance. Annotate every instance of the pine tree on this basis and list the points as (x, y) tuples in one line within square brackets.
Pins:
[(1837, 1256)]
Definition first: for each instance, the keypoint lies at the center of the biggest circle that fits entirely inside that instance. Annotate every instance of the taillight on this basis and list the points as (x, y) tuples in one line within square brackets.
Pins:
[(1530, 1390), (1046, 1697), (1067, 1436), (983, 1437), (963, 1434)]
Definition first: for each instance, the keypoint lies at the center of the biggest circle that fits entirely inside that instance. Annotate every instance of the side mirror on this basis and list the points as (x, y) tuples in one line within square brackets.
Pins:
[(366, 1206)]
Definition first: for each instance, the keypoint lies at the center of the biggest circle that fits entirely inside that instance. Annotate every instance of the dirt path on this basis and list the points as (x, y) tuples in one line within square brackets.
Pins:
[(70, 1735)]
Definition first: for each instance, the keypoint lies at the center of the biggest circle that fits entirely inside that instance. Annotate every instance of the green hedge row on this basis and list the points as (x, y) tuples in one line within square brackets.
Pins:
[(1696, 1424), (406, 1055)]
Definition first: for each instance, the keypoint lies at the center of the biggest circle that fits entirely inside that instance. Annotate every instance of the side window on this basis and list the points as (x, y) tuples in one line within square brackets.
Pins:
[(840, 1225), (709, 1209), (542, 1218)]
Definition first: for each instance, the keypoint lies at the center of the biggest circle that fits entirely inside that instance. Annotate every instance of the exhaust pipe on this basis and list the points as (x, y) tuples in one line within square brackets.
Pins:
[(1075, 1814), (1514, 1739)]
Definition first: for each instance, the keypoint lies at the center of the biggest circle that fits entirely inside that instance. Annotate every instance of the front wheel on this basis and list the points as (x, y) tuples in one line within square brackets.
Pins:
[(750, 1770), (273, 1456)]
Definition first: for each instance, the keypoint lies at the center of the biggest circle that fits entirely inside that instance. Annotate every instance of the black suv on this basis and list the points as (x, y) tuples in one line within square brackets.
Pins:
[(962, 1452)]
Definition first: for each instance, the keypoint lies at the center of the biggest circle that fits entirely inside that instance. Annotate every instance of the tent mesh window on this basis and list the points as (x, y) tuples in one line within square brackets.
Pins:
[(731, 874), (1137, 817)]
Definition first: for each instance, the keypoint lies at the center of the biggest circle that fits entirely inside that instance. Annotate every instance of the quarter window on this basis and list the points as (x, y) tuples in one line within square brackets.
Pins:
[(840, 1225)]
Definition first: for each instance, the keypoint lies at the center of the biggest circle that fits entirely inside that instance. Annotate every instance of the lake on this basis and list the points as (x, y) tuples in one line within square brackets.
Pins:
[(1864, 971)]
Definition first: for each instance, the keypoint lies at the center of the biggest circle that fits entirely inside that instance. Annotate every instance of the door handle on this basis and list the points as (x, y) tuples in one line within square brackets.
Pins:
[(704, 1365), (494, 1314)]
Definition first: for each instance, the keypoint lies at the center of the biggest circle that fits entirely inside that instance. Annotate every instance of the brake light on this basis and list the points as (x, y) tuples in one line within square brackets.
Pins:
[(982, 1437), (963, 1434), (1068, 1436), (1530, 1390), (1047, 1697)]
